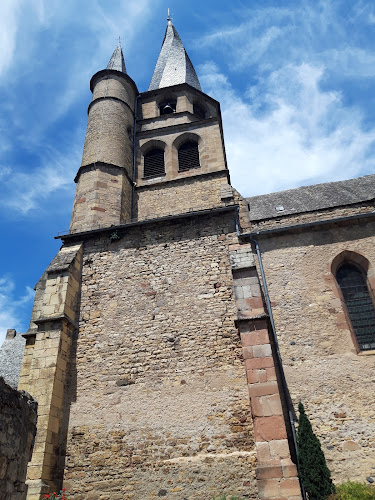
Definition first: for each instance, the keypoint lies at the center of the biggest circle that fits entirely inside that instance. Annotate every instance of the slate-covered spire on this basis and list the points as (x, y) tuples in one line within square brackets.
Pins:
[(173, 65), (117, 61)]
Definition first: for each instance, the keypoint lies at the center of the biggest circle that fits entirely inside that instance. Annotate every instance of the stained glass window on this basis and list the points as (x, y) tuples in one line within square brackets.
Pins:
[(359, 304)]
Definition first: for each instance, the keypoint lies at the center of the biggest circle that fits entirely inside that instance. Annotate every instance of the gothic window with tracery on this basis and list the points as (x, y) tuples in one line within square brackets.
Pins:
[(188, 156), (359, 303), (154, 163)]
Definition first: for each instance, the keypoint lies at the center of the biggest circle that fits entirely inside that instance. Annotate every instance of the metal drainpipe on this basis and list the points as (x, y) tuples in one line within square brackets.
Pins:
[(133, 176), (276, 344)]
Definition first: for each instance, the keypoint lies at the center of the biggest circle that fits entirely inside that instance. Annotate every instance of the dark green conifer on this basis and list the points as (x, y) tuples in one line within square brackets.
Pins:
[(314, 473)]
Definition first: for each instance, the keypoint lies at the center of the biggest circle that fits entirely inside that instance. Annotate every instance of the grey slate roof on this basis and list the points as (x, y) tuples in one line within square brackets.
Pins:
[(11, 354), (311, 198), (117, 61), (173, 65)]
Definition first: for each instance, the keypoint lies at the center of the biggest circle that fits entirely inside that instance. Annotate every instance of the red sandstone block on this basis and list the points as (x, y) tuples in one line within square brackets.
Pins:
[(249, 339), (262, 374), (263, 389), (253, 364), (247, 352), (254, 302), (256, 407), (271, 373), (269, 472), (290, 486), (264, 337), (268, 488), (269, 428), (252, 376)]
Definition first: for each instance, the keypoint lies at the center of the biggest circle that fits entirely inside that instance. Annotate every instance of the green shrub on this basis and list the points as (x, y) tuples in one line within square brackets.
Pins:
[(354, 491), (314, 473)]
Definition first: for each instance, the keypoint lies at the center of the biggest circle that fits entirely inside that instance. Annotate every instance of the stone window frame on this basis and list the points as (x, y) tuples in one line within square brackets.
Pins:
[(362, 263), (178, 142), (148, 146)]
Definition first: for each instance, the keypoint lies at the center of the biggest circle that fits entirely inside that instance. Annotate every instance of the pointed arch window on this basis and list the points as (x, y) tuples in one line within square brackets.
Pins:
[(359, 303), (188, 156), (154, 163)]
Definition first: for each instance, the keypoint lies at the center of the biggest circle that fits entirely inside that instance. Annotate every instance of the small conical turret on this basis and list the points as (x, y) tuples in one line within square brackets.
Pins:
[(173, 65), (104, 180), (117, 61)]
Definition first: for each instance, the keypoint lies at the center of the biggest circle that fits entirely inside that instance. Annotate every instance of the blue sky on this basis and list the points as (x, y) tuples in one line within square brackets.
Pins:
[(295, 80)]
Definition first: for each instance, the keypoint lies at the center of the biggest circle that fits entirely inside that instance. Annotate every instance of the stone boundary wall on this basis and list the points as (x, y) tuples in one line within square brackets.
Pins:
[(18, 416)]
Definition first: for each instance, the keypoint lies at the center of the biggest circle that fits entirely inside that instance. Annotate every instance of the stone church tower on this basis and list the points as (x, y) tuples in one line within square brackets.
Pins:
[(152, 350)]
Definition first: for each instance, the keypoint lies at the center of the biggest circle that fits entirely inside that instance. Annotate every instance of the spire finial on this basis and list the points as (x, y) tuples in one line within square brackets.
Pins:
[(119, 40), (169, 17)]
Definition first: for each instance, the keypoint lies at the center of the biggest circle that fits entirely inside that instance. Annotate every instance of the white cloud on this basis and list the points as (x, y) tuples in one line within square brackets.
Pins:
[(9, 11), (290, 133), (11, 306), (24, 191)]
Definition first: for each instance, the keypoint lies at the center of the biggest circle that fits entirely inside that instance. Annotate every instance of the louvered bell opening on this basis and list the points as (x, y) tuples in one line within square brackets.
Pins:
[(154, 163), (359, 304), (199, 112), (188, 156)]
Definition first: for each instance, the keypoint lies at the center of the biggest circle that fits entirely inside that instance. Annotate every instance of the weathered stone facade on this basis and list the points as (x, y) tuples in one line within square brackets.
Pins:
[(151, 349), (160, 349), (323, 367), (18, 417)]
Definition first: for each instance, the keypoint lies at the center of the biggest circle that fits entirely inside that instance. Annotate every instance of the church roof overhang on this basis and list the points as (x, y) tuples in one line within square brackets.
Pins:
[(158, 220)]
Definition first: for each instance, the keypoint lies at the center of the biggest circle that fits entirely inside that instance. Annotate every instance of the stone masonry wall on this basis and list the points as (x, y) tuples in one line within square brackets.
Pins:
[(321, 363), (162, 407), (179, 197), (18, 416)]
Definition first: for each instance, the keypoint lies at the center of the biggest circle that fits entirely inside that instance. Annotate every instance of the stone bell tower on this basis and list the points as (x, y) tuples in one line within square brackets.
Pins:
[(104, 179), (148, 331)]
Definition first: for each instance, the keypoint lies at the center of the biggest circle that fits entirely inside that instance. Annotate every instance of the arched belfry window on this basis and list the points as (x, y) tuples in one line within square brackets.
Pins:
[(154, 163), (188, 156), (353, 283)]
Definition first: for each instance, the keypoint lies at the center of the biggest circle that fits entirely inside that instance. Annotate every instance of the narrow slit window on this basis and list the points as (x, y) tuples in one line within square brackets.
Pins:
[(359, 304), (154, 163), (188, 156)]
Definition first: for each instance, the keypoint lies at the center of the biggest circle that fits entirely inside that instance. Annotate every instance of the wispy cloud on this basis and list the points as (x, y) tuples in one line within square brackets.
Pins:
[(25, 191), (11, 306), (291, 132)]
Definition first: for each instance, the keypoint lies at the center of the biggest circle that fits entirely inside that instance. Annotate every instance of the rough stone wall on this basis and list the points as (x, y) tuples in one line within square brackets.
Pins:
[(18, 416), (320, 359), (161, 406), (180, 197)]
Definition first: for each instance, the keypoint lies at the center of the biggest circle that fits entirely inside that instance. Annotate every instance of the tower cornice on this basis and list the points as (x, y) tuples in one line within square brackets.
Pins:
[(111, 72)]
